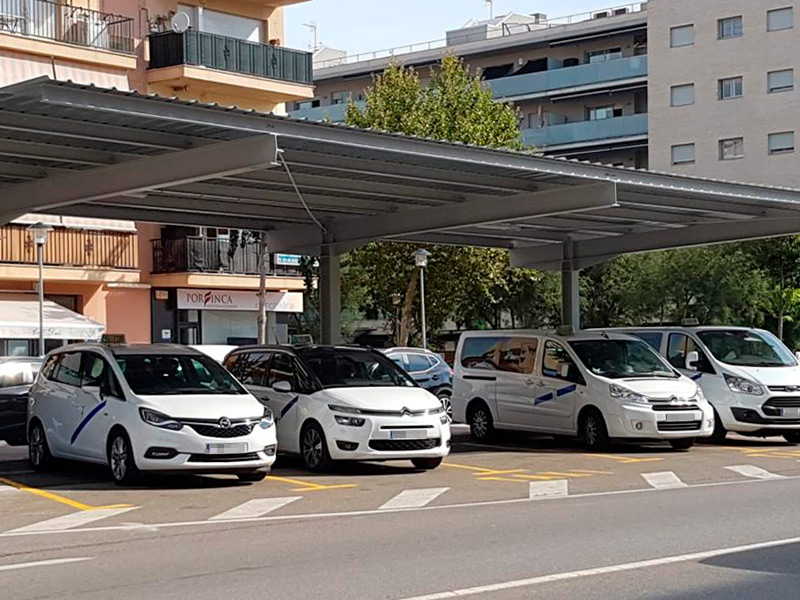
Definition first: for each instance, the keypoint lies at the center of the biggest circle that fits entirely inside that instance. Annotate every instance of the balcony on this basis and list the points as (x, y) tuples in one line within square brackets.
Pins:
[(595, 75), (220, 68), (334, 113), (587, 132), (42, 20), (212, 256)]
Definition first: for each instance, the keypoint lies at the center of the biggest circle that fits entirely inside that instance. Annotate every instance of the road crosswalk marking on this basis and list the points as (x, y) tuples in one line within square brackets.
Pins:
[(72, 520), (414, 498), (557, 488), (663, 480), (254, 508), (753, 471)]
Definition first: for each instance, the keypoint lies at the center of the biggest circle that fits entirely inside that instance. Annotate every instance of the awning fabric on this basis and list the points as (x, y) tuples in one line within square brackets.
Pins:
[(19, 319)]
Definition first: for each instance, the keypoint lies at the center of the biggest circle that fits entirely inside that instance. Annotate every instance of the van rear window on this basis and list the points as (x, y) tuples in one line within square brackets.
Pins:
[(480, 352), (510, 354)]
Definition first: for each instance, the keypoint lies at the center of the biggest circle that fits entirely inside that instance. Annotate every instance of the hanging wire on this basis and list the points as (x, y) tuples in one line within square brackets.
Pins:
[(300, 195)]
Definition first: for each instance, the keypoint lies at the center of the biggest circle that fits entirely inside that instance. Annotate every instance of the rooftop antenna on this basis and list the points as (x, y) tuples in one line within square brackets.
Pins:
[(490, 4), (312, 27)]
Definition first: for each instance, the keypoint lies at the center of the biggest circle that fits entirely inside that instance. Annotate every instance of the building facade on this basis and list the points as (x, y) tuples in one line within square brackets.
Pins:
[(130, 277)]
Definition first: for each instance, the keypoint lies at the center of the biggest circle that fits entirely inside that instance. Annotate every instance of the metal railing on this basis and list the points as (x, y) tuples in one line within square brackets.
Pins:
[(556, 134), (229, 54), (507, 30), (207, 255), (68, 24)]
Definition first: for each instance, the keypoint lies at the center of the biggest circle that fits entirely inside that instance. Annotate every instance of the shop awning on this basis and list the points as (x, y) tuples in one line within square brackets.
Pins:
[(19, 319)]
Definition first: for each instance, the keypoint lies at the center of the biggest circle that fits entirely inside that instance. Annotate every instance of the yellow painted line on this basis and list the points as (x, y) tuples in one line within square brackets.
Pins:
[(56, 497), (323, 488), (506, 472), (624, 459), (562, 475), (498, 479), (309, 486), (540, 477), (468, 467), (591, 472)]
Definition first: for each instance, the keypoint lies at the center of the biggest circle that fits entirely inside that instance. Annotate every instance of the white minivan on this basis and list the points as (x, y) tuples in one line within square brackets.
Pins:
[(750, 378), (596, 385), (157, 407)]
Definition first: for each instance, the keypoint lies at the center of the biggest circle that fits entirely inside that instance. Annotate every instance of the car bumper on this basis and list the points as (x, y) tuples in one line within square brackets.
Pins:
[(751, 419), (640, 421)]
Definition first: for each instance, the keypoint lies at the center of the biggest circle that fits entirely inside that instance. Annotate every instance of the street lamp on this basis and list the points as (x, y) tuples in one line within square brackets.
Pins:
[(421, 260), (39, 231)]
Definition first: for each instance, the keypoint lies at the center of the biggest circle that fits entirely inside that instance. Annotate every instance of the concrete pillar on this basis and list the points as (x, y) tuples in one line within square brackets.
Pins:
[(570, 289), (330, 297)]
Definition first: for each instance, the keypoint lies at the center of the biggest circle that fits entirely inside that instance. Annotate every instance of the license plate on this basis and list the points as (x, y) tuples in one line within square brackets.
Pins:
[(407, 434), (684, 416), (226, 448), (790, 412)]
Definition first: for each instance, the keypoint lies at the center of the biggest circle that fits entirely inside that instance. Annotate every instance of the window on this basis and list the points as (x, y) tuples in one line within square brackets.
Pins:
[(683, 154), (603, 55), (281, 369), (18, 348), (678, 348), (780, 81), (249, 367), (49, 368), (780, 18), (681, 36), (558, 363), (480, 352), (417, 363), (781, 143), (169, 374), (620, 358), (732, 27), (731, 87), (518, 355), (353, 367), (398, 360), (747, 348), (681, 95), (599, 113), (68, 371), (97, 373), (339, 97), (651, 338), (16, 373), (731, 148)]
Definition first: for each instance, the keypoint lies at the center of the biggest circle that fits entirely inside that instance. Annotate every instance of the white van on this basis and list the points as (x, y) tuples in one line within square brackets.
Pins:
[(595, 385), (750, 378)]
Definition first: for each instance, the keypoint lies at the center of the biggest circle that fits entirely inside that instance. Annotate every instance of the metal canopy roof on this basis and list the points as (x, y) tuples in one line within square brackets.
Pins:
[(85, 151)]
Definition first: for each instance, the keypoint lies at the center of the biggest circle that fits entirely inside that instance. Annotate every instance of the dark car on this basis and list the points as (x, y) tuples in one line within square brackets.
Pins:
[(16, 376), (429, 370)]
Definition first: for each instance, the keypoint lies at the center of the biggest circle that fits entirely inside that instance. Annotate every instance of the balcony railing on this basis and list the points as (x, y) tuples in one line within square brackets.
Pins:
[(71, 248), (586, 131), (198, 48), (509, 88), (335, 113), (204, 255), (68, 24)]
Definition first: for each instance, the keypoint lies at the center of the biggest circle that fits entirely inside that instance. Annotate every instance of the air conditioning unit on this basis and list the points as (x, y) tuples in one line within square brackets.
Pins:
[(86, 29), (601, 15)]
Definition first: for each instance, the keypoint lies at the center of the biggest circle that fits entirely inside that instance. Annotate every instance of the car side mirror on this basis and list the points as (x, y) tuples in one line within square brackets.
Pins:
[(282, 386), (692, 358), (94, 390)]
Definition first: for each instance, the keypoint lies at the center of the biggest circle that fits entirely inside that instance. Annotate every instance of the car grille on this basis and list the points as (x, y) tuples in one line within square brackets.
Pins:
[(786, 402), (222, 458), (679, 425), (784, 388), (404, 445), (219, 432), (674, 407)]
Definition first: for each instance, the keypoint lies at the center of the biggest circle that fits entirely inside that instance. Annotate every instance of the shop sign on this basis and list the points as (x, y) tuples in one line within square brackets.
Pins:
[(287, 260), (198, 299)]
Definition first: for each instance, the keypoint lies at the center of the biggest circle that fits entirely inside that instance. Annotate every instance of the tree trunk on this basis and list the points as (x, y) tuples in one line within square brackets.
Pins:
[(263, 257), (407, 309)]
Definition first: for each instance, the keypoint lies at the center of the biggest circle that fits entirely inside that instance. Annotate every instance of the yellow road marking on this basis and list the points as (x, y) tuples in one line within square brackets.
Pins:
[(323, 488), (591, 472), (468, 467), (498, 479), (624, 459), (308, 485), (56, 497)]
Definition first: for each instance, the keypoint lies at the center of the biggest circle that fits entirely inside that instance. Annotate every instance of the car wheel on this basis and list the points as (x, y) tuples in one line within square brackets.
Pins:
[(593, 431), (447, 404), (683, 444), (481, 423), (426, 464), (120, 459), (253, 477), (38, 450), (792, 438), (719, 433), (314, 449)]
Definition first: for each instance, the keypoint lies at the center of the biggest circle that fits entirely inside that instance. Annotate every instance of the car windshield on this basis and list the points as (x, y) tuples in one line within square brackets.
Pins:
[(340, 367), (621, 359), (172, 374), (747, 348), (18, 373)]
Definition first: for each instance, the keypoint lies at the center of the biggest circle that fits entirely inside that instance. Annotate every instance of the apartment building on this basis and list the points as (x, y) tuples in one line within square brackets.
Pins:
[(144, 281), (722, 94), (580, 81)]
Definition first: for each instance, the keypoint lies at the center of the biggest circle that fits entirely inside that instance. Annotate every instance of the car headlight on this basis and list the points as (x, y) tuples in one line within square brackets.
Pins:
[(699, 396), (344, 409), (349, 421), (436, 411), (743, 386), (157, 419), (268, 420), (626, 395)]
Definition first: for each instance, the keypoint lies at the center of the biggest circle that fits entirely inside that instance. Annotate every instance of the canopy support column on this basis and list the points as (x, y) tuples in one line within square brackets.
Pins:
[(570, 288), (330, 296)]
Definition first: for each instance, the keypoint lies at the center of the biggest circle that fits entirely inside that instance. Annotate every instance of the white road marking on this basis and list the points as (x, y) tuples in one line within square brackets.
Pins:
[(413, 498), (44, 563), (557, 488), (632, 566), (254, 508), (754, 472), (663, 480), (72, 520)]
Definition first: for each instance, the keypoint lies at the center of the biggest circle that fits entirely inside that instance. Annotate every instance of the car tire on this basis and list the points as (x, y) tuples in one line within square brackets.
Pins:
[(427, 464), (447, 404), (682, 444), (314, 449), (253, 477), (719, 433), (793, 437), (120, 459), (593, 431), (38, 448), (480, 421)]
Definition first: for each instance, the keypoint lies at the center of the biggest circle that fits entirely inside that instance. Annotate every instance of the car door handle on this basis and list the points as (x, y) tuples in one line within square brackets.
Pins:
[(533, 382)]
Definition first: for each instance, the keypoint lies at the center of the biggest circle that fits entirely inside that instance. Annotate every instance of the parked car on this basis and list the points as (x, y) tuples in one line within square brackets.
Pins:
[(344, 403), (750, 378), (429, 370), (598, 386), (17, 374), (154, 407)]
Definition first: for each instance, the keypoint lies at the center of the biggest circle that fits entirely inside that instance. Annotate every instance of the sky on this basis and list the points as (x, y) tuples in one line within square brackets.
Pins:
[(368, 25)]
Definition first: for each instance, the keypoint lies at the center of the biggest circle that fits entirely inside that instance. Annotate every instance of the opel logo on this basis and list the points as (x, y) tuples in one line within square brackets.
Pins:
[(225, 423)]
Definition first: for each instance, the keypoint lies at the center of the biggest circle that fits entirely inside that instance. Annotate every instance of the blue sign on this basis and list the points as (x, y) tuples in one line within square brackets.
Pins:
[(287, 260)]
